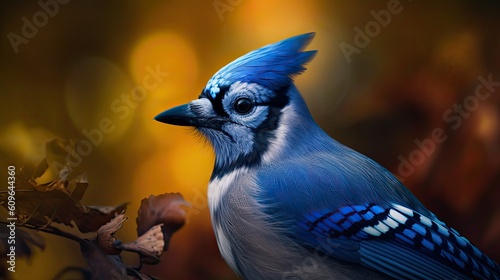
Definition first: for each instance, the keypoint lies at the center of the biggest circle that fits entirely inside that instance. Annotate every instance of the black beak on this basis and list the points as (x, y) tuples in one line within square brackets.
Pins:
[(180, 115)]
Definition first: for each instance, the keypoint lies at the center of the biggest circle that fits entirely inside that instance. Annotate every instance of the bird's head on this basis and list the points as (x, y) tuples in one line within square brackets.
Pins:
[(243, 105)]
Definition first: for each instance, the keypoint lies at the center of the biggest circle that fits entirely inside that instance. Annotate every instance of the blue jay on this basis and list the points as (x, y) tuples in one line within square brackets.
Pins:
[(289, 202)]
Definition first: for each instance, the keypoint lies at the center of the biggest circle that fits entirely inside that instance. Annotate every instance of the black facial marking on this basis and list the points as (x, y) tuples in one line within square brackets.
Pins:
[(217, 101), (264, 135)]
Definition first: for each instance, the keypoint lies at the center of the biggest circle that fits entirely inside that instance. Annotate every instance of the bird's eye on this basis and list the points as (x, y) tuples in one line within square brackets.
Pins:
[(243, 105)]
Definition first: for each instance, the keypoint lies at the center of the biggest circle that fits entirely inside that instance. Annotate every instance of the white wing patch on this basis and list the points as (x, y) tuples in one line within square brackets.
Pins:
[(381, 227), (390, 222), (403, 210), (393, 220), (397, 216), (372, 231)]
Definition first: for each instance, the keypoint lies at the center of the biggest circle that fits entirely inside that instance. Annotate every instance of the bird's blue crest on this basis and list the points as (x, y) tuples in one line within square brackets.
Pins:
[(272, 66)]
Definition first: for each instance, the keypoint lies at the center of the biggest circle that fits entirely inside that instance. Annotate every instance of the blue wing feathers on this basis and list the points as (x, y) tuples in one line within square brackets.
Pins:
[(404, 263), (349, 201), (431, 239)]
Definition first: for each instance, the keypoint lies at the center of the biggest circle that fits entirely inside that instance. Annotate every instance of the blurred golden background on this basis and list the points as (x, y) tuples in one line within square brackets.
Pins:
[(102, 70)]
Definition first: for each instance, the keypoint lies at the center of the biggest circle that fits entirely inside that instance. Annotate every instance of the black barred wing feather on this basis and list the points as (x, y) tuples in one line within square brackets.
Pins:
[(397, 241)]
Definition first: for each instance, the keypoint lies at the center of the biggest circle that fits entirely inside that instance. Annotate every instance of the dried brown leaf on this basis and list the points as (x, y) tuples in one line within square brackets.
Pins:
[(43, 174), (40, 169), (149, 245), (39, 206), (55, 166), (57, 153), (54, 191), (105, 235), (163, 209), (79, 191), (93, 217)]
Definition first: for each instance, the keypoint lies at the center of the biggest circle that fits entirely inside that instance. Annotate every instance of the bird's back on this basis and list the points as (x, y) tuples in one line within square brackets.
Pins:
[(344, 206)]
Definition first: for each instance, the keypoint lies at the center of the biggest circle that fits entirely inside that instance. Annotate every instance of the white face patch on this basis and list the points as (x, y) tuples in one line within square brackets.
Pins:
[(259, 93), (254, 92), (202, 107), (278, 144)]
